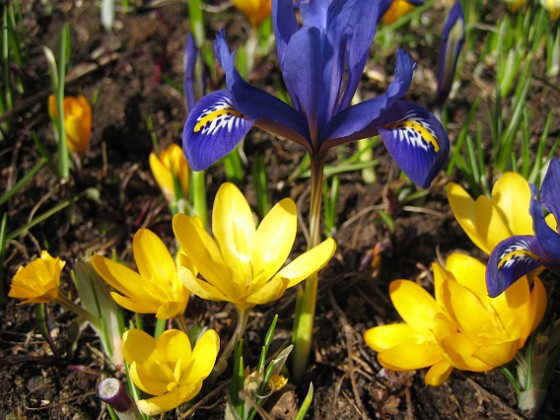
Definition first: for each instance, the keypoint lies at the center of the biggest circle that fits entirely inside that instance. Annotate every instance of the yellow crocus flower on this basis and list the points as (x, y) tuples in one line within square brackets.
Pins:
[(462, 327), (38, 281), (171, 164), (397, 9), (256, 11), (77, 121), (167, 367), (155, 288), (488, 221), (243, 264), (552, 7), (514, 5)]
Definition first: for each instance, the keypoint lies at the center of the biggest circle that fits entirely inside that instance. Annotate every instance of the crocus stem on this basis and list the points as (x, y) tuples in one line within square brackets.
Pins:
[(221, 365), (306, 301), (78, 310), (198, 191)]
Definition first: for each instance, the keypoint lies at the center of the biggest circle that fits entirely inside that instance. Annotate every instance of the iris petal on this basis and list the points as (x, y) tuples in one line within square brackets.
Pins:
[(416, 140), (550, 189), (547, 237), (511, 259), (213, 129), (356, 122), (285, 25)]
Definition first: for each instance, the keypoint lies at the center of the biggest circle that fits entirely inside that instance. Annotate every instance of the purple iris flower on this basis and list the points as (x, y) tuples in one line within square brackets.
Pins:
[(516, 256), (322, 62)]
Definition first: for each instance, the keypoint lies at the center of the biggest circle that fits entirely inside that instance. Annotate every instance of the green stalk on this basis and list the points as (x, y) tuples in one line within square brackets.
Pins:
[(63, 156), (307, 301), (198, 199), (78, 310), (196, 15), (3, 233), (221, 364)]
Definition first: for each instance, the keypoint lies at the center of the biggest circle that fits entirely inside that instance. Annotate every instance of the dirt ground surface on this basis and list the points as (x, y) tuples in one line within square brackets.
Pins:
[(129, 72)]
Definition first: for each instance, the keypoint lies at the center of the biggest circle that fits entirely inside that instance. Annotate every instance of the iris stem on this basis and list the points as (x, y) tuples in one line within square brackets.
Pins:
[(221, 365), (306, 301)]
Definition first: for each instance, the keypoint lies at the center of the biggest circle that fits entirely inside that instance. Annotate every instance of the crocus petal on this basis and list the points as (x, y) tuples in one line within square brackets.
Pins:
[(160, 404), (137, 346), (278, 227), (438, 373), (469, 273), (203, 356), (499, 354), (144, 379), (118, 276), (152, 257), (173, 345), (414, 304), (456, 346), (356, 122), (511, 259), (141, 306), (550, 189), (269, 292), (234, 230), (201, 288), (384, 337), (213, 129), (512, 196), (416, 140), (201, 248), (410, 356), (170, 309), (308, 263)]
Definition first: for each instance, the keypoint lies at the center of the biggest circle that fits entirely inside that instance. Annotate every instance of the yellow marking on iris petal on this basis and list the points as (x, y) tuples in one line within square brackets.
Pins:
[(420, 129), (213, 115), (513, 254)]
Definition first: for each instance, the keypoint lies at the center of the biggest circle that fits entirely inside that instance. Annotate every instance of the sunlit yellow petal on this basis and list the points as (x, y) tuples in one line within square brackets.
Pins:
[(152, 257), (203, 289), (160, 404), (144, 380), (538, 304), (204, 357), (234, 229), (438, 373), (384, 337), (491, 227), (469, 272), (170, 309), (201, 248), (173, 345), (512, 196), (308, 263), (410, 356), (268, 292), (118, 276), (137, 346), (134, 305), (162, 175), (499, 354), (463, 207), (414, 304), (278, 227), (456, 347)]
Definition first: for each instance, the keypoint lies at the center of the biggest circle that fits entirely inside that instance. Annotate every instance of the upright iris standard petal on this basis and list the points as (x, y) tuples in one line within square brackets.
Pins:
[(550, 189), (416, 140), (452, 41)]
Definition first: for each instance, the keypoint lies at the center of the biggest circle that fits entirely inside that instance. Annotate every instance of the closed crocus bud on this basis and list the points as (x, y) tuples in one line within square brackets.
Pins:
[(256, 11), (514, 5), (171, 172), (552, 7), (38, 281), (77, 121), (399, 8)]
